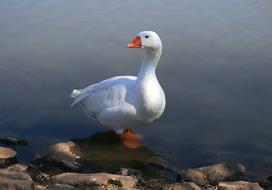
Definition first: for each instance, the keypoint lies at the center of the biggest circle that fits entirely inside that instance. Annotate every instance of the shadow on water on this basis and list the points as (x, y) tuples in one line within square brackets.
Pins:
[(105, 152)]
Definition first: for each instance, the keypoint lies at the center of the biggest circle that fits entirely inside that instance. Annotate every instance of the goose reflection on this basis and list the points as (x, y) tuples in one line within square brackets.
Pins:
[(105, 152)]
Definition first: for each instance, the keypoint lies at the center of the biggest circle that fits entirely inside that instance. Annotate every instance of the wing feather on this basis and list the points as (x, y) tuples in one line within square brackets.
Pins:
[(105, 93)]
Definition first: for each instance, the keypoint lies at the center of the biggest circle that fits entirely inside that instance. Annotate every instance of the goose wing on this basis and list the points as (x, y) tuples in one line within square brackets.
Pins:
[(107, 93)]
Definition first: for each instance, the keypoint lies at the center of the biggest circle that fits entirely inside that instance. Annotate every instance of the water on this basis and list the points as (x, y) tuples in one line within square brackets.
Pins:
[(215, 70)]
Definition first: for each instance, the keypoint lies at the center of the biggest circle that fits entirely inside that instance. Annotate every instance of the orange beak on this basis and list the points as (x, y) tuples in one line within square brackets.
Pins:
[(136, 43)]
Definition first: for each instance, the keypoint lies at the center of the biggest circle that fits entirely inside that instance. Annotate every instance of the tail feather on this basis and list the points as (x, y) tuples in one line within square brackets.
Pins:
[(75, 93), (78, 95)]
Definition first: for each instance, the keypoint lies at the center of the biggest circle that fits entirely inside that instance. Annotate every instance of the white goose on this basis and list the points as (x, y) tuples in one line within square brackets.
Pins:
[(126, 102)]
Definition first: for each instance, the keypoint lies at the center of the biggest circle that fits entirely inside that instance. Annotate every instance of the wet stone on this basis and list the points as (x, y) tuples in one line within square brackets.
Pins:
[(181, 186), (211, 175), (61, 187), (99, 180), (267, 185), (105, 152), (15, 178), (132, 172), (13, 141), (238, 185), (17, 168), (61, 153), (59, 158), (193, 175), (7, 157)]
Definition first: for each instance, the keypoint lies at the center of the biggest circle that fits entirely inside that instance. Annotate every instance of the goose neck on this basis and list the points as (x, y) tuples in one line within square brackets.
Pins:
[(149, 64)]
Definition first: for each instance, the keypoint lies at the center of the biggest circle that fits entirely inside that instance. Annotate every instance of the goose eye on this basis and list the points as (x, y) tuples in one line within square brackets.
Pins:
[(146, 36)]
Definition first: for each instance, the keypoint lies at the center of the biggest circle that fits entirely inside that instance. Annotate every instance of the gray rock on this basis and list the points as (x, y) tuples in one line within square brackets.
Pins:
[(38, 186), (7, 157), (181, 186), (211, 175), (15, 184), (267, 185), (193, 175), (61, 187), (13, 141), (14, 175), (132, 172), (238, 185), (15, 178), (223, 172), (17, 168), (96, 179), (61, 153), (58, 158)]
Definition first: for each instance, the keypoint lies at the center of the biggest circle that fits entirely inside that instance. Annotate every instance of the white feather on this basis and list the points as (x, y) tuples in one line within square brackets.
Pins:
[(127, 101)]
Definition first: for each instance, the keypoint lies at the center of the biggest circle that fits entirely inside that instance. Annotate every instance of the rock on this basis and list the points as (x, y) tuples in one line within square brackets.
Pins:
[(267, 185), (7, 157), (15, 184), (17, 168), (59, 158), (223, 172), (163, 184), (13, 141), (132, 172), (238, 185), (61, 153), (39, 187), (96, 179), (62, 187), (105, 152), (13, 178), (193, 175), (181, 186), (14, 175), (211, 175)]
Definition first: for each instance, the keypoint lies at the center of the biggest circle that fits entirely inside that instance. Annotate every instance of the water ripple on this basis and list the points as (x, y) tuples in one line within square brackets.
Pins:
[(14, 85)]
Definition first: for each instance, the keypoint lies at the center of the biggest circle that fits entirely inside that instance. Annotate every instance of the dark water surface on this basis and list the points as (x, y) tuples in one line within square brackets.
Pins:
[(215, 70)]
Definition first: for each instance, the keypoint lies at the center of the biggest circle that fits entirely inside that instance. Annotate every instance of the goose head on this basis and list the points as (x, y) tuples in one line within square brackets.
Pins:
[(147, 40)]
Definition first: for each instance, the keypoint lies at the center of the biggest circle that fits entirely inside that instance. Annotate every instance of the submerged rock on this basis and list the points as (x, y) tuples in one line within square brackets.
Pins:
[(266, 184), (7, 157), (13, 141), (99, 180), (105, 152), (238, 185), (212, 174), (15, 178), (102, 152)]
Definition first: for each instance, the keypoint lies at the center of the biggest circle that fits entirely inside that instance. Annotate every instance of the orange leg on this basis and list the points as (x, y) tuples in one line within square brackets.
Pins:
[(130, 139)]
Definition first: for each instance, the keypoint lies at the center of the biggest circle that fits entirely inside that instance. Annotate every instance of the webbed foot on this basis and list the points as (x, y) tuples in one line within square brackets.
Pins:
[(131, 139)]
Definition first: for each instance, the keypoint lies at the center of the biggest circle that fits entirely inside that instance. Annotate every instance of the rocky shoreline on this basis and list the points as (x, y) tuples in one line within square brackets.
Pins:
[(63, 166)]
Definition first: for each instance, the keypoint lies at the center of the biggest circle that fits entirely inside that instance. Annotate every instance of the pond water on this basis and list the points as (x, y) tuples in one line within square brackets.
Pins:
[(215, 70)]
